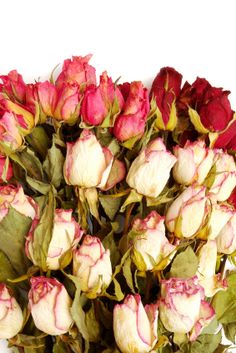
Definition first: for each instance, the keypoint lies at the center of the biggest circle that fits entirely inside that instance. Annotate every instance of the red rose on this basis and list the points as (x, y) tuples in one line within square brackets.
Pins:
[(131, 122), (77, 70), (98, 101), (165, 89)]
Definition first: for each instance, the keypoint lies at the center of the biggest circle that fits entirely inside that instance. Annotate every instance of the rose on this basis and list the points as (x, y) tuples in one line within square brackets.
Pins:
[(11, 316), (98, 101), (92, 265), (194, 162), (165, 89), (10, 137), (131, 122), (223, 176), (87, 163), (50, 304), (11, 196), (150, 245), (5, 168), (66, 234), (14, 86), (135, 327), (77, 70), (211, 103), (219, 216), (207, 258), (232, 199), (187, 213), (150, 171), (182, 308), (226, 238), (61, 103)]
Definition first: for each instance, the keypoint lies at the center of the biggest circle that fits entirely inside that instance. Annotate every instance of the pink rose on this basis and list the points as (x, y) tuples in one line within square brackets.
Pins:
[(9, 132), (14, 86), (131, 122), (98, 101), (50, 305), (77, 70)]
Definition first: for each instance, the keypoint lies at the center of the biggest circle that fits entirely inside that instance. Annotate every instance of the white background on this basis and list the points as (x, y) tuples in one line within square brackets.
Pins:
[(132, 38)]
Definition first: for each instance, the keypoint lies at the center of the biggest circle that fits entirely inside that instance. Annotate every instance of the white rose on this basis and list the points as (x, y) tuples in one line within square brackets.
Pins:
[(65, 236), (135, 327), (150, 171), (223, 176), (11, 317), (194, 162), (220, 215), (50, 304), (150, 242), (187, 213), (92, 265), (207, 257), (226, 239), (87, 164)]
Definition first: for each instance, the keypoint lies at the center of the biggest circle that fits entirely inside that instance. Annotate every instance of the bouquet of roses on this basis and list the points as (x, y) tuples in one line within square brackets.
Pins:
[(117, 214)]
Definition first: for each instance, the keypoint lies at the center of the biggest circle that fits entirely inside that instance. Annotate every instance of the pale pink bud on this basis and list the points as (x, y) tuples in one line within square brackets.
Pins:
[(135, 326)]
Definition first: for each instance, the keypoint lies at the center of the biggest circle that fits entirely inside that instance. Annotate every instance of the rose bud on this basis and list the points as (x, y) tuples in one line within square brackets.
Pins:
[(150, 245), (98, 101), (87, 163), (14, 86), (11, 316), (50, 304), (182, 308), (14, 197), (67, 105), (131, 122), (187, 213), (223, 175), (135, 326), (65, 236), (226, 238), (77, 70), (207, 278), (92, 265), (219, 216), (165, 89), (47, 95), (227, 138), (150, 171), (9, 132), (194, 162), (5, 164), (215, 112)]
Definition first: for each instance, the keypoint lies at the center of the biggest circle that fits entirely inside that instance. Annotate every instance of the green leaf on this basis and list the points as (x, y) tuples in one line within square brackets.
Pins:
[(224, 302), (6, 269), (28, 340), (128, 274), (203, 344), (30, 163), (110, 205), (39, 140), (109, 243), (13, 229), (39, 186), (185, 264), (53, 165), (196, 121), (133, 197), (43, 232), (77, 311), (230, 331), (91, 322), (60, 347)]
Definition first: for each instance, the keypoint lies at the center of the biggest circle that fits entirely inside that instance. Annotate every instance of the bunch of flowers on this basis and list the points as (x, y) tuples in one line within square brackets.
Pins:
[(117, 214)]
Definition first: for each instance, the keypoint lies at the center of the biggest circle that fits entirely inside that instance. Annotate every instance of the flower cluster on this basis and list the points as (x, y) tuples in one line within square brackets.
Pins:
[(117, 213)]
